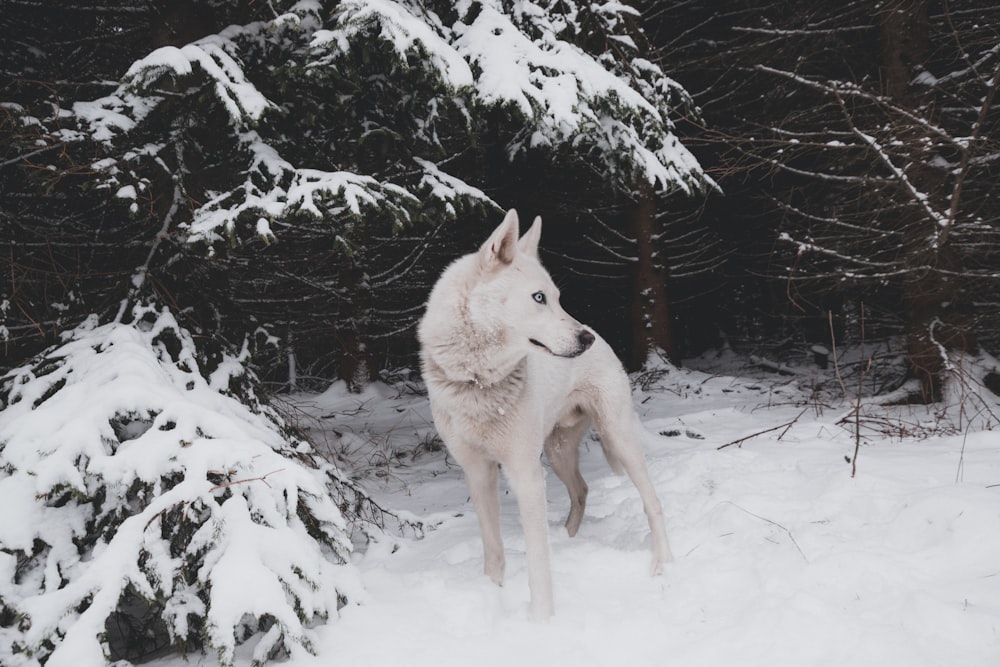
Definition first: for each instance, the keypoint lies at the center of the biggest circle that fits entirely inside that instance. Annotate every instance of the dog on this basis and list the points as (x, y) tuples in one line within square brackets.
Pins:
[(509, 375)]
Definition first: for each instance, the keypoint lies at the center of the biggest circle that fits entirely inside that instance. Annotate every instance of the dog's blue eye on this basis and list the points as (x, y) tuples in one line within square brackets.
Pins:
[(539, 297)]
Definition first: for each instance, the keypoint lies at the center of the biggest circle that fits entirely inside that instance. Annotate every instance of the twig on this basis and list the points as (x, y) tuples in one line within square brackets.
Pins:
[(776, 525), (262, 478), (856, 403), (155, 516), (162, 512), (961, 456), (142, 272), (785, 426)]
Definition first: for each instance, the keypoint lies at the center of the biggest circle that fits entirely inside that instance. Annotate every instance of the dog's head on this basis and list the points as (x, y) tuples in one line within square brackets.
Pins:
[(517, 297)]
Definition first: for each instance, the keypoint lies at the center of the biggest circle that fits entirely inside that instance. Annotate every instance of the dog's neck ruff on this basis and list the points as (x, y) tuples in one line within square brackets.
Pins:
[(476, 397), (479, 381), (466, 351)]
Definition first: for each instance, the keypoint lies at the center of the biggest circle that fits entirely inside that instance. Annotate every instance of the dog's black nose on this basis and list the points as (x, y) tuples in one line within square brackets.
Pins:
[(585, 338)]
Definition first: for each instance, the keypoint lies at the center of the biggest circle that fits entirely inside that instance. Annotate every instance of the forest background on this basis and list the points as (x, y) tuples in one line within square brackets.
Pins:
[(854, 151), (266, 191)]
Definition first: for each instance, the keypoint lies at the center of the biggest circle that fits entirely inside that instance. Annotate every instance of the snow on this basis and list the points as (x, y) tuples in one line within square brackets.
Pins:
[(264, 230), (114, 114), (280, 190), (403, 30), (782, 558), (447, 188), (211, 54), (571, 96), (126, 192), (135, 99)]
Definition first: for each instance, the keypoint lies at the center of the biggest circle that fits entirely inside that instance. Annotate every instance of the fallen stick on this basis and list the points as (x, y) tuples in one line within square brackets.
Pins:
[(767, 430)]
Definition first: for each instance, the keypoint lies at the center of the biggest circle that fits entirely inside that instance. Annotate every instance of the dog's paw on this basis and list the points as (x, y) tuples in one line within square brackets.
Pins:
[(660, 560), (540, 611)]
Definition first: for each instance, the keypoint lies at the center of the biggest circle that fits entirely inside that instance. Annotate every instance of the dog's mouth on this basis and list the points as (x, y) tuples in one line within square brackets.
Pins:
[(538, 343), (575, 353)]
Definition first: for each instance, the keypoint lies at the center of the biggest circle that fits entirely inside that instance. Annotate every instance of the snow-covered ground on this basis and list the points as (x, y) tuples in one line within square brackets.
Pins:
[(782, 558)]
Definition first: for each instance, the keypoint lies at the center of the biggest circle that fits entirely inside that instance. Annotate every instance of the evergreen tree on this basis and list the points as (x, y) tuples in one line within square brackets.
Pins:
[(162, 504), (341, 130), (267, 189)]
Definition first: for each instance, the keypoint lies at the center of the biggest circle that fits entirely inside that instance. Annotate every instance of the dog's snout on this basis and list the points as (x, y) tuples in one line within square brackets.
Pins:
[(585, 338)]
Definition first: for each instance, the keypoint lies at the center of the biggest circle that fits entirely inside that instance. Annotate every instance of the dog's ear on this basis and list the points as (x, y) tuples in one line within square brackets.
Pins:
[(501, 247), (529, 242)]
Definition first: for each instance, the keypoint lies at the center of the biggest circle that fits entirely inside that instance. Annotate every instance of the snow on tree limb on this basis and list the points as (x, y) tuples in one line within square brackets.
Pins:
[(211, 54), (570, 97), (276, 189), (134, 100), (410, 30), (447, 188)]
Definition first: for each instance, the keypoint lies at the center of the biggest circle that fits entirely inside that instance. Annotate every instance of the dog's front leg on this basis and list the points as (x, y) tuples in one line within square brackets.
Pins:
[(484, 487), (527, 479)]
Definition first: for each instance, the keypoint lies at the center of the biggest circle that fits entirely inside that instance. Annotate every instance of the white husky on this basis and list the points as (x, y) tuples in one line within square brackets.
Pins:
[(510, 373)]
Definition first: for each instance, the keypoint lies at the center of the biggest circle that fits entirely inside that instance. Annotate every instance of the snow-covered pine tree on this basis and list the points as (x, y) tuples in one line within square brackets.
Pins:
[(160, 504), (350, 132)]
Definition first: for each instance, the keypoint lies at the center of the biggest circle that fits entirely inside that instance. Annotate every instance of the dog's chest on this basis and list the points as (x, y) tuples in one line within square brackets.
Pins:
[(473, 405)]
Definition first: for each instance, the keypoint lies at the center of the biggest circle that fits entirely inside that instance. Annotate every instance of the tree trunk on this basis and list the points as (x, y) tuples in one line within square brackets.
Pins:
[(905, 37), (650, 309), (355, 365)]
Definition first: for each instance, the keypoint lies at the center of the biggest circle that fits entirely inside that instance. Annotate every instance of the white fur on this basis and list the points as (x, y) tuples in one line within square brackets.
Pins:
[(508, 377)]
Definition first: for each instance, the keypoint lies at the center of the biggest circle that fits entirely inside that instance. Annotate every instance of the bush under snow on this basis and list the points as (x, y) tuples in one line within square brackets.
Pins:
[(150, 500)]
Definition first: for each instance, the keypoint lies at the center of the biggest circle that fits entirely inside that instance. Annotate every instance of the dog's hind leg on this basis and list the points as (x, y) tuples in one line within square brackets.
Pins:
[(562, 449), (636, 469), (619, 432), (483, 479)]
